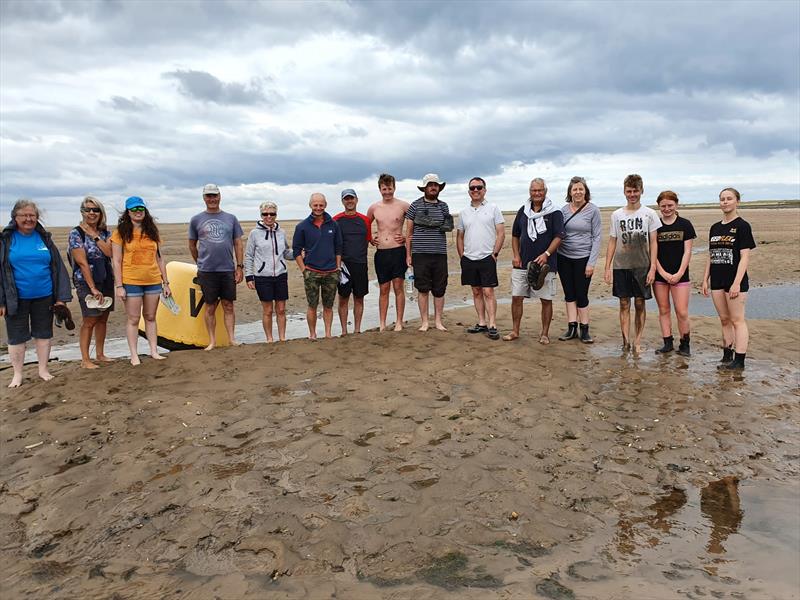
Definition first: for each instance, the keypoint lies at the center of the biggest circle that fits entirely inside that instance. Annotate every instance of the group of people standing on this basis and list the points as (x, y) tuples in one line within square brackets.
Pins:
[(644, 250)]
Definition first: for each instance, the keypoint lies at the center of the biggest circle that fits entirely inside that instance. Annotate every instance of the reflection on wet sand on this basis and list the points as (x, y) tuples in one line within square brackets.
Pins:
[(658, 516), (719, 502)]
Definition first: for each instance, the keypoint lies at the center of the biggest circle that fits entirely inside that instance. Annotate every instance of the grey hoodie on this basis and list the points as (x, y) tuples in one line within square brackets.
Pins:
[(266, 252)]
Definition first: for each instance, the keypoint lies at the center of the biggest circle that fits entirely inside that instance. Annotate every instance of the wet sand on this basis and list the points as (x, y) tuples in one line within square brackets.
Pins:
[(409, 465)]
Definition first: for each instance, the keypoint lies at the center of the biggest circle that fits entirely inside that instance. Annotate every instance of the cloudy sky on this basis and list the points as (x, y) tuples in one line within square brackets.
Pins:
[(274, 100)]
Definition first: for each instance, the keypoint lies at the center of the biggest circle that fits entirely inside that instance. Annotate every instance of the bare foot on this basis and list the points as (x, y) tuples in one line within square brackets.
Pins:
[(357, 331), (135, 361), (424, 327), (236, 343), (344, 334), (104, 358), (87, 364), (510, 337), (16, 381), (637, 349), (209, 347), (313, 338), (544, 340), (283, 339), (270, 340), (441, 327), (45, 375), (398, 327), (157, 356)]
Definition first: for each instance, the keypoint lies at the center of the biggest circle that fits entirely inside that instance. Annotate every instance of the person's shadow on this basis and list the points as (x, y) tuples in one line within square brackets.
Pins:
[(719, 502)]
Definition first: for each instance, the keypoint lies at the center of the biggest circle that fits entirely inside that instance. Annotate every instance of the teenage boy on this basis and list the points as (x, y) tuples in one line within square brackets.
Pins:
[(633, 251), (356, 235)]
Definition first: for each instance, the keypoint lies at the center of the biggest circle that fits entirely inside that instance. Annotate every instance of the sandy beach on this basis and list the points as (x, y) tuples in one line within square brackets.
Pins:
[(410, 465)]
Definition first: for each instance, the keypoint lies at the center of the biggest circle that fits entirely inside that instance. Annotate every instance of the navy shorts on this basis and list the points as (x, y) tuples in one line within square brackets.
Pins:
[(479, 273), (430, 273), (34, 319), (82, 290), (630, 283), (357, 281), (390, 264), (272, 288), (217, 286)]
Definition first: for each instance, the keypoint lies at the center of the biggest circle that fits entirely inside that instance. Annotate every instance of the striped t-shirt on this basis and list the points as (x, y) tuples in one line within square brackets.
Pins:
[(428, 240)]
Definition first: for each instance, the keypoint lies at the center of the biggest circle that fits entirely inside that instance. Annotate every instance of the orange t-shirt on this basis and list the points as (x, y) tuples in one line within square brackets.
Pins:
[(139, 266)]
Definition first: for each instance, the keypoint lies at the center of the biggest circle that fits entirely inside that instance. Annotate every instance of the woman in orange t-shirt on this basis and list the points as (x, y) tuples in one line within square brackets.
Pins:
[(139, 273)]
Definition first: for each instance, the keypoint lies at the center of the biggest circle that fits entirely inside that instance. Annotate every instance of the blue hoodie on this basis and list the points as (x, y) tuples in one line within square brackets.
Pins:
[(321, 244)]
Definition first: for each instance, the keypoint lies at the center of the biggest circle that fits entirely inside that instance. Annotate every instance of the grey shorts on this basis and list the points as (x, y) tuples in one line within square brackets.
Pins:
[(520, 286), (34, 319)]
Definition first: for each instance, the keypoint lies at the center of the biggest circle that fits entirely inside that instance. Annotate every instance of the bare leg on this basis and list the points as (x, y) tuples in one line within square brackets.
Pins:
[(422, 302), (229, 317), (490, 302), (327, 319), (399, 302), (149, 307), (266, 319), (210, 317), (358, 313), (583, 315), (311, 318), (133, 311), (664, 308), (87, 326), (480, 306), (438, 313), (680, 299), (280, 308), (383, 303), (720, 299), (736, 308), (42, 356), (572, 312), (344, 302), (17, 354), (641, 316), (516, 318), (100, 329), (625, 321), (547, 318)]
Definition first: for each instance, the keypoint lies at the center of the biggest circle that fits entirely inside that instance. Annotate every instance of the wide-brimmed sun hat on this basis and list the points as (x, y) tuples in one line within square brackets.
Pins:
[(431, 178)]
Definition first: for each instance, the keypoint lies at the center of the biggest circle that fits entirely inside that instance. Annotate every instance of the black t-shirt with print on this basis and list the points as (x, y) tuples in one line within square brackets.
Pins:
[(725, 243), (670, 246)]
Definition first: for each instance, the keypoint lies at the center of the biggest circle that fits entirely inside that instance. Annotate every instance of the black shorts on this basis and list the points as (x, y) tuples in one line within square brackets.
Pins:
[(630, 283), (272, 288), (82, 290), (430, 273), (479, 273), (390, 264), (34, 318), (217, 286), (357, 281)]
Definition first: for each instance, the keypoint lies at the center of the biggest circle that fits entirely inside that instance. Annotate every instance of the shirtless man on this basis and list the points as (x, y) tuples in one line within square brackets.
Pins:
[(390, 256)]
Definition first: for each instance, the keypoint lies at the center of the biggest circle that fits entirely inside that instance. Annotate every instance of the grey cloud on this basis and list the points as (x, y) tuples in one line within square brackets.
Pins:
[(129, 104), (203, 86)]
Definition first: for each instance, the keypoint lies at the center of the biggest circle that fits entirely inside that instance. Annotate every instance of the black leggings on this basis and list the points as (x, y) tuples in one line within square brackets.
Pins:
[(572, 272)]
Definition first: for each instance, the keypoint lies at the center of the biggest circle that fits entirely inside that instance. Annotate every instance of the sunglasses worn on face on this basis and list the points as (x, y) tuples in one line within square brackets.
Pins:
[(266, 214), (475, 188), (137, 209), (91, 210)]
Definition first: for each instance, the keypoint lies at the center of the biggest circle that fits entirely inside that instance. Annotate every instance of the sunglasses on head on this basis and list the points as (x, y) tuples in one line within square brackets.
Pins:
[(475, 188), (88, 209), (137, 209), (269, 214)]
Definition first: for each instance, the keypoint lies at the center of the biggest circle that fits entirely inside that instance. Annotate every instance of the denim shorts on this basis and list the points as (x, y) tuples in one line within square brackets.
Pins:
[(134, 291), (34, 318)]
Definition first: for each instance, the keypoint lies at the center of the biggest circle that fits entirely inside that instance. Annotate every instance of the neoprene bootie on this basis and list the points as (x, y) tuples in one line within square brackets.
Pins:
[(737, 364), (571, 333), (667, 347), (727, 355), (683, 347), (585, 337)]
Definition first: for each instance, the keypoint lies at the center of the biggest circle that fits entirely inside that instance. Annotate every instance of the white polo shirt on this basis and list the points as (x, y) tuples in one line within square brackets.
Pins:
[(478, 224)]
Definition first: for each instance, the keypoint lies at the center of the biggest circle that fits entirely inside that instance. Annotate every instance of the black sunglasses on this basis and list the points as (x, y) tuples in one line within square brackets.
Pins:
[(268, 214), (475, 188), (86, 209)]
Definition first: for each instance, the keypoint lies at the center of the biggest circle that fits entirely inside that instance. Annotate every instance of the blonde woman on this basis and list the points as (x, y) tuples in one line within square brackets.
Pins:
[(90, 255), (265, 270)]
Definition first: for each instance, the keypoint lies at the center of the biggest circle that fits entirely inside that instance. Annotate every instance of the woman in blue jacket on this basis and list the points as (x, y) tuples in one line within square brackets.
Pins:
[(34, 284)]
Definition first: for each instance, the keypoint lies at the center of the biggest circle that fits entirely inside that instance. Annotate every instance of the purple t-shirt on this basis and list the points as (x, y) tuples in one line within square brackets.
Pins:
[(215, 234)]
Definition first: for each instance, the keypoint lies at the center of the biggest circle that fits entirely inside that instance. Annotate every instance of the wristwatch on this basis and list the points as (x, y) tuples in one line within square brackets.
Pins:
[(96, 238), (240, 266), (548, 254), (495, 254)]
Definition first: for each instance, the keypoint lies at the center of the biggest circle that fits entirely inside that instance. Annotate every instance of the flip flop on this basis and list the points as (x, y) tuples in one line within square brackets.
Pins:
[(91, 302), (63, 315)]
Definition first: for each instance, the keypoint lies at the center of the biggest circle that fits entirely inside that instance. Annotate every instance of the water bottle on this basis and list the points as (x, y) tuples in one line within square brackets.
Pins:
[(409, 282)]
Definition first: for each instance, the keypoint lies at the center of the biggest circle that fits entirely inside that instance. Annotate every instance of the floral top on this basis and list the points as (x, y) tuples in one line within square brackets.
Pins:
[(93, 252)]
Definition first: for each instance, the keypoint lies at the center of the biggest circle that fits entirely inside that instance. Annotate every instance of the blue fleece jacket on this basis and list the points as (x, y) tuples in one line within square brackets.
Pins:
[(321, 244)]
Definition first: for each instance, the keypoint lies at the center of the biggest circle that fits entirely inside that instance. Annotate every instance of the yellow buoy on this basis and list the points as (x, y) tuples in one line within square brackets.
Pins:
[(185, 328)]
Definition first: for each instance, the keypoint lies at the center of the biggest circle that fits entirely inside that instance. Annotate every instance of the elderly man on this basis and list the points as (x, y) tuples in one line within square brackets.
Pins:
[(480, 236), (356, 236), (215, 237), (427, 220), (535, 235), (317, 248)]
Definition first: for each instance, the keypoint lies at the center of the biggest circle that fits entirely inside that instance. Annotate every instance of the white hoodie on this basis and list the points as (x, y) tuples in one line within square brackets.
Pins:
[(266, 252)]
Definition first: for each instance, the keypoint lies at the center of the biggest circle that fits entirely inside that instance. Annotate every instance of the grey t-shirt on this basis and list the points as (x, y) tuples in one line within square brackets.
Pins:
[(633, 231), (215, 234)]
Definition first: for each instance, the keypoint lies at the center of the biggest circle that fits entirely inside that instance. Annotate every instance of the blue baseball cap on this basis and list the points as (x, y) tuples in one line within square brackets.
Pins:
[(133, 202), (349, 192)]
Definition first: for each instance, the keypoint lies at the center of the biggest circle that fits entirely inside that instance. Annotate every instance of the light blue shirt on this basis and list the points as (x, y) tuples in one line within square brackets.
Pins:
[(30, 263)]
